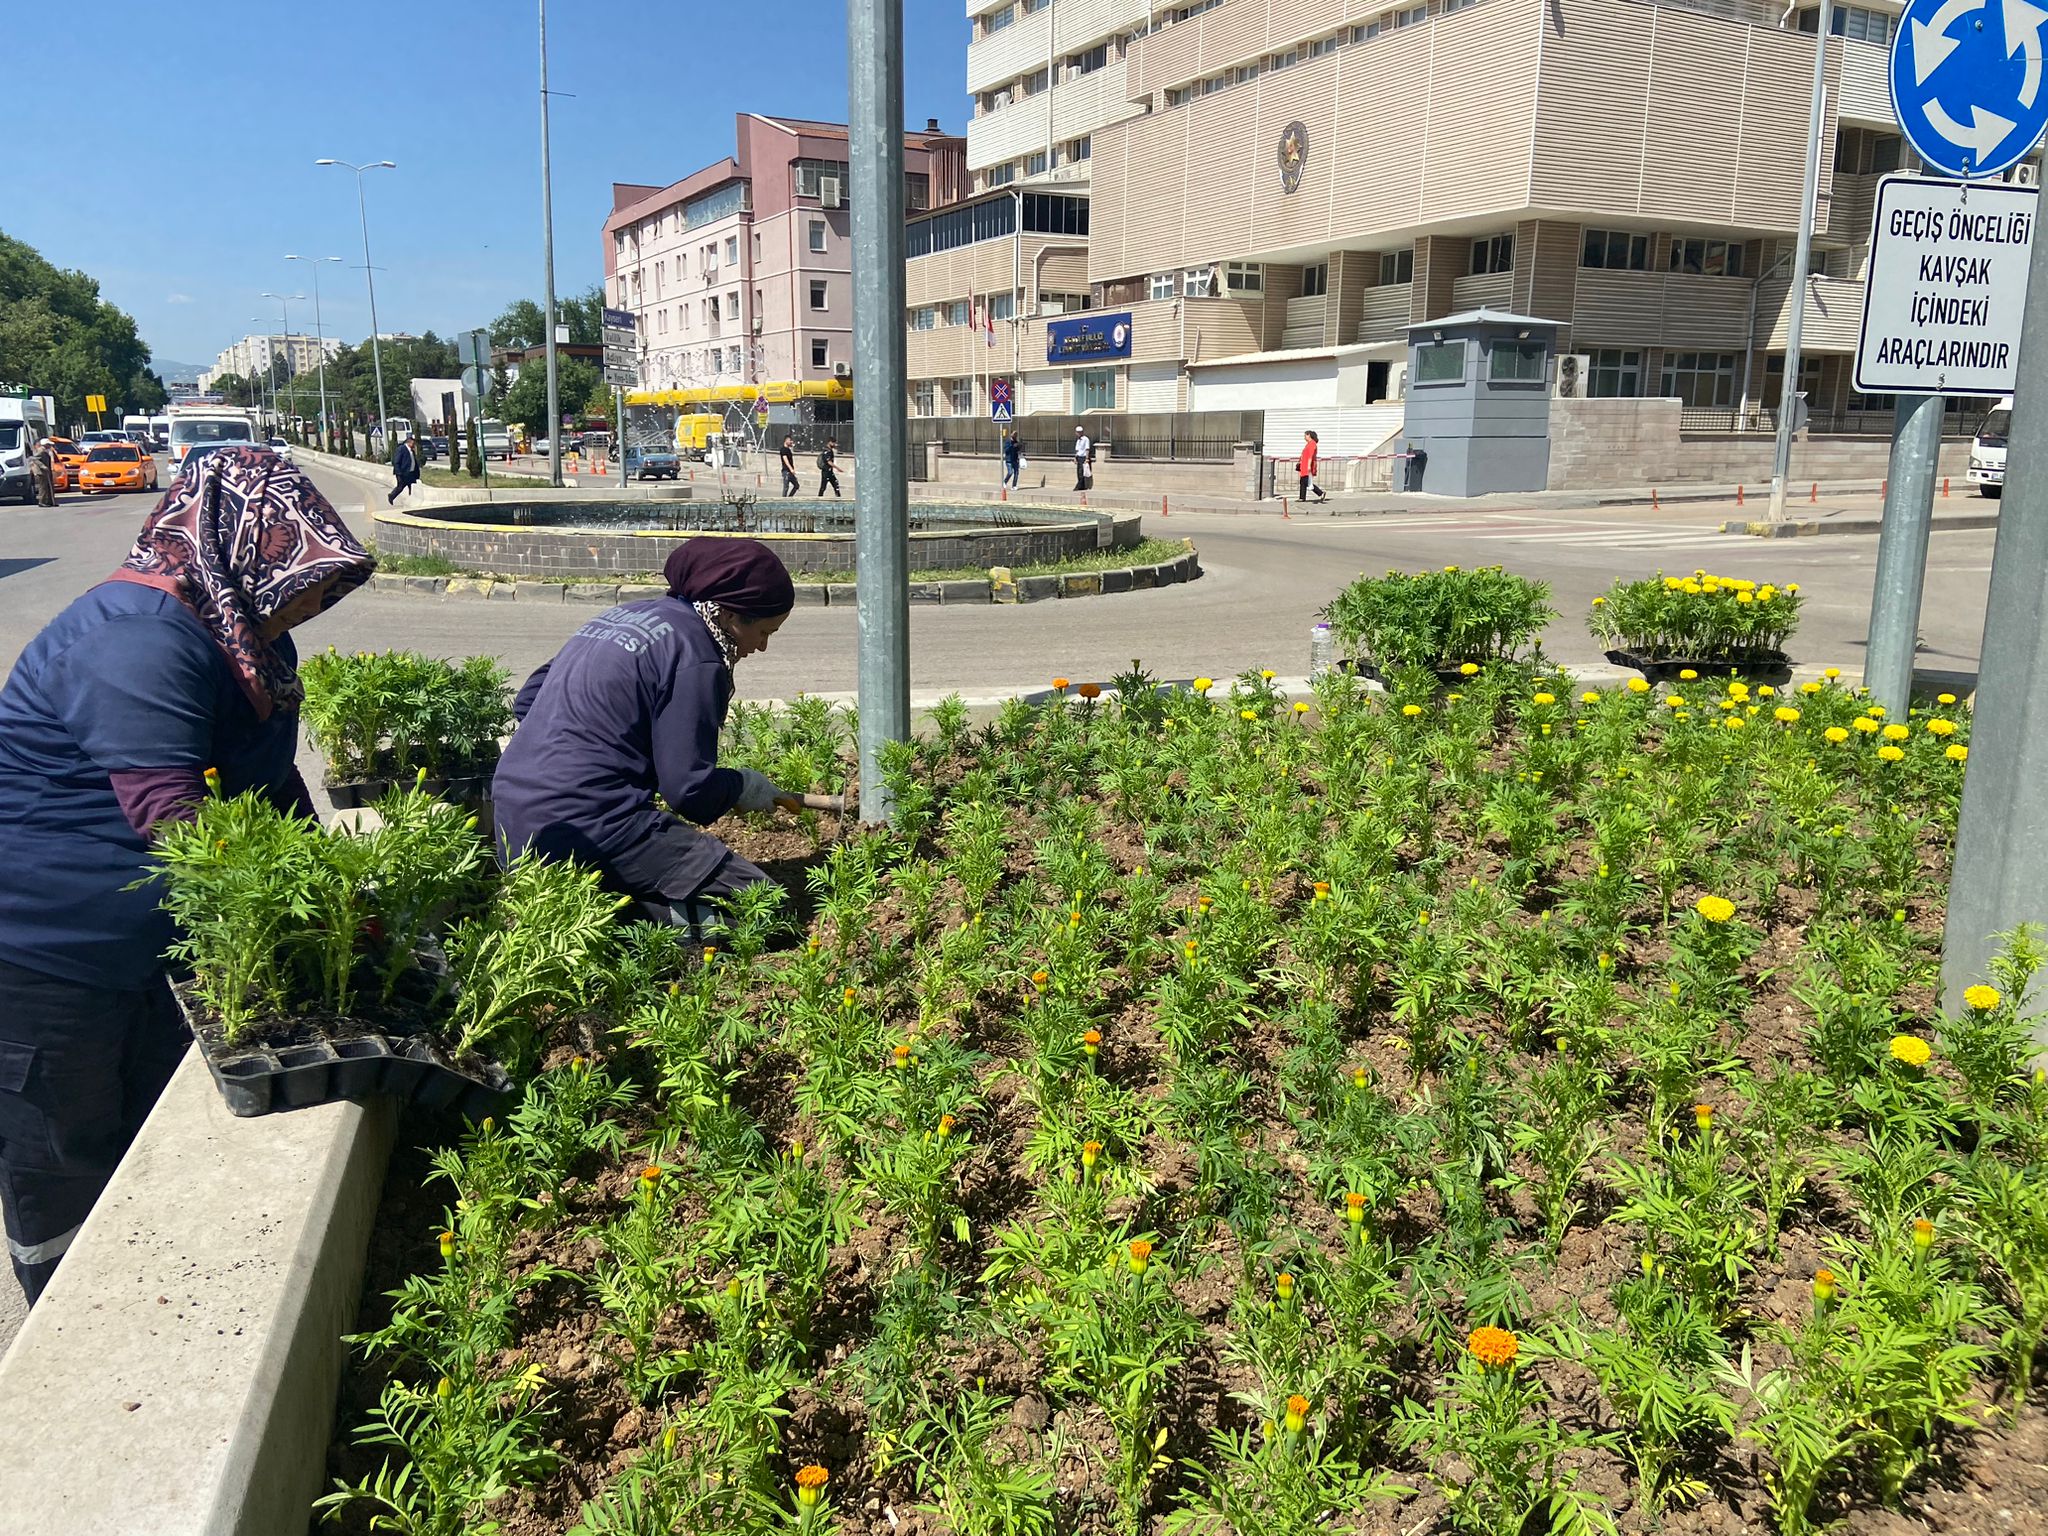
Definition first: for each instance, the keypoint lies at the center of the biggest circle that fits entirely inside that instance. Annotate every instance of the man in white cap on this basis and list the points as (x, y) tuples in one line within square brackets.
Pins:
[(1083, 452)]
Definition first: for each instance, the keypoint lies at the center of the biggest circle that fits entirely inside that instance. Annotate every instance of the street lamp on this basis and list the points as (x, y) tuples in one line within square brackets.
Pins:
[(320, 343), (376, 357), (284, 302), (269, 379)]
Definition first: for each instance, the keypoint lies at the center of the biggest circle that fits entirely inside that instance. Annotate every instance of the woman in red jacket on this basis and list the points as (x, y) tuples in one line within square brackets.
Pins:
[(1305, 466)]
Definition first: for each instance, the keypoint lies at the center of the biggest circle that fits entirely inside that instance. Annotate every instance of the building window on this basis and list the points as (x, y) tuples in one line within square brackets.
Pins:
[(995, 21), (924, 318), (818, 299), (1198, 282), (1036, 82), (715, 308), (732, 359), (924, 398), (1315, 280), (1285, 60), (1162, 285), (1094, 389), (1323, 45), (917, 191), (1053, 213), (960, 397), (1050, 303), (1700, 378), (1077, 149), (1447, 6), (732, 250), (1615, 249), (1515, 362), (809, 175), (1244, 74), (1088, 62), (1176, 95), (1397, 267), (820, 352), (1002, 306), (1000, 175), (1493, 255), (957, 312), (1244, 277), (1706, 258), (1390, 21), (1440, 362), (1035, 166), (817, 234), (1854, 22), (1616, 375)]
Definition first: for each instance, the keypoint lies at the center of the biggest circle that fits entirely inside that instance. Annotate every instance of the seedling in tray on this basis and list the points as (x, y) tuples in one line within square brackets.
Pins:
[(385, 717)]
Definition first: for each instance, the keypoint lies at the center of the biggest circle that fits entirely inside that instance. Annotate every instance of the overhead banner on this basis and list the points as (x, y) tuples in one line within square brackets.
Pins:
[(1088, 337)]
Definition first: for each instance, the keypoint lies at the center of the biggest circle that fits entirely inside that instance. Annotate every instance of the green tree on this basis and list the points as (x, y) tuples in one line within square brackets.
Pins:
[(59, 337), (523, 323), (476, 457), (577, 383)]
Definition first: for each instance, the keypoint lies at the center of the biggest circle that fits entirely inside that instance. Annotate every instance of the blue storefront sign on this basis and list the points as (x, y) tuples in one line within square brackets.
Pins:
[(1088, 338)]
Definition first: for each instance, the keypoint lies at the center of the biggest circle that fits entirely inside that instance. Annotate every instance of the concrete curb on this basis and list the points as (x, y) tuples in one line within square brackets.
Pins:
[(1810, 527), (193, 1331), (812, 594)]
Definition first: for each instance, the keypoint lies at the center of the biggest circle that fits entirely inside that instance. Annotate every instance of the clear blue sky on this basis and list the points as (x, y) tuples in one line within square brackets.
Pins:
[(207, 116)]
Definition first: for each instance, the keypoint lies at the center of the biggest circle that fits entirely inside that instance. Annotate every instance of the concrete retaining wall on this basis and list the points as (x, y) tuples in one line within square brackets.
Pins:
[(1599, 444), (178, 1376), (573, 554)]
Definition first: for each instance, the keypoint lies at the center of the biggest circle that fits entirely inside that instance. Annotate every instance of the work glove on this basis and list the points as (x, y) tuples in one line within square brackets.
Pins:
[(757, 791)]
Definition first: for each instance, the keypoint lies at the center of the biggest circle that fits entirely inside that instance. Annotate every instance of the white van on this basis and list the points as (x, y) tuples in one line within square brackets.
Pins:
[(208, 428), (1987, 451), (23, 424)]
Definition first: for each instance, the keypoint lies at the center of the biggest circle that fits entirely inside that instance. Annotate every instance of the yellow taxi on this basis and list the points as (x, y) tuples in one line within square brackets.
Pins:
[(69, 453), (117, 467)]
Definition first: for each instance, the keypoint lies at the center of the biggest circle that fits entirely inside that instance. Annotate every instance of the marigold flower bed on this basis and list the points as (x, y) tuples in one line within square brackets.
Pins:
[(1524, 1110)]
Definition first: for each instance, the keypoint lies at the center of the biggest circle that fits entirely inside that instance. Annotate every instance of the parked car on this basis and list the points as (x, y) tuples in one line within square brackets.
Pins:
[(652, 464), (281, 447), (541, 447), (437, 447), (118, 467)]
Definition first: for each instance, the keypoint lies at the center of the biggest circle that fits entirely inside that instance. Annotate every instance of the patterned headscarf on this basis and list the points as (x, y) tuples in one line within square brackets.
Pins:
[(240, 535)]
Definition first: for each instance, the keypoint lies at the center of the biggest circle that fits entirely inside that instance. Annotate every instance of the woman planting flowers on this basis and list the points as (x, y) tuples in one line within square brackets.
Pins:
[(631, 707), (177, 664)]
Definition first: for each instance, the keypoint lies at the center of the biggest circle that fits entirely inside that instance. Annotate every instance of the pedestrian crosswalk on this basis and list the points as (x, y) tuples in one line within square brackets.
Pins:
[(1556, 533)]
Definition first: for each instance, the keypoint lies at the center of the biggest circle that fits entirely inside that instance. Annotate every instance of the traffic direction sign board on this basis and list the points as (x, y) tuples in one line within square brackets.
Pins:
[(1966, 82), (1946, 289)]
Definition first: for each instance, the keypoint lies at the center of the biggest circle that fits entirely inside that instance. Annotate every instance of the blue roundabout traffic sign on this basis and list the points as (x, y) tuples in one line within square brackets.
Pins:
[(1966, 82)]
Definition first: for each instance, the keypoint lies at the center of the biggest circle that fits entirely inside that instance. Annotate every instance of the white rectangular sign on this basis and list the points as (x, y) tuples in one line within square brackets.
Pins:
[(1947, 287)]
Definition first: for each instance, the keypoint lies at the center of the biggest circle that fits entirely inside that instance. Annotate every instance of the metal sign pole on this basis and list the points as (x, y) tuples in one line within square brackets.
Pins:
[(1902, 552), (874, 32), (2001, 875), (1795, 295)]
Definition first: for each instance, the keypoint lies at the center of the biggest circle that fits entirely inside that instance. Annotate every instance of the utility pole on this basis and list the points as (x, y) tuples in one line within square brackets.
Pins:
[(1908, 521), (874, 33), (547, 221), (370, 277), (1802, 258), (2001, 879), (320, 346)]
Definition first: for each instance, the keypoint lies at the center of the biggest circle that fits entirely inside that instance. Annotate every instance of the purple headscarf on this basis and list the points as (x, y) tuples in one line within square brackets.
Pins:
[(742, 576)]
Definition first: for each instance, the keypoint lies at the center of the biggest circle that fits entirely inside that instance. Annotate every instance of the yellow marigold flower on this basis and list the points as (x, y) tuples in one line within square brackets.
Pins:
[(1140, 1256), (1468, 669), (1831, 673), (1599, 602), (1911, 1049), (1738, 690), (1638, 685), (1297, 1413), (1411, 710), (1354, 1208), (1673, 701), (1715, 909), (1897, 732), (1703, 1116), (650, 1175), (1865, 724), (1957, 752), (1733, 723), (1809, 687), (1545, 698), (1268, 673), (1941, 727), (1091, 1042), (1785, 714), (1745, 597), (1590, 696), (1876, 711), (1358, 1077), (1889, 753), (1823, 1286), (1285, 1286), (1204, 684), (1300, 708), (1091, 1153), (1247, 714), (810, 1485), (1791, 586), (1980, 998), (1835, 734), (1687, 675), (1923, 1234), (1494, 1348)]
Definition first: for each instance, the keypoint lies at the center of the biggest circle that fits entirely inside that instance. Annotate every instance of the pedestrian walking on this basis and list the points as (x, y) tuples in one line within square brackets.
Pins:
[(172, 680), (1013, 458), (405, 469), (43, 471), (1084, 460), (827, 474), (790, 484), (1305, 467)]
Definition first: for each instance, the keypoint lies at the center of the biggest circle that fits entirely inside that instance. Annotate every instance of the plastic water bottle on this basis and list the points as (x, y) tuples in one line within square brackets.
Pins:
[(1322, 650)]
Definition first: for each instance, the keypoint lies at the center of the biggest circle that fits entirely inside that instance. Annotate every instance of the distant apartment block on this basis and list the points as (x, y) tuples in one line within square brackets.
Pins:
[(742, 272), (252, 355)]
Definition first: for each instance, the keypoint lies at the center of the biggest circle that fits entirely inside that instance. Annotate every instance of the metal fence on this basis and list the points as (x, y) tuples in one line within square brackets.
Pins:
[(1959, 419), (1184, 437)]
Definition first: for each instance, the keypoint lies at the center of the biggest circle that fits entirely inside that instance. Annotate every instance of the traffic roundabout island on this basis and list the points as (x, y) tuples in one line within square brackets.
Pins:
[(548, 550)]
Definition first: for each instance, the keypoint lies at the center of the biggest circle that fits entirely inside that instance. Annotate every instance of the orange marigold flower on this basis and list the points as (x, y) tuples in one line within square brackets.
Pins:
[(1703, 1116), (1322, 889), (1090, 690), (1495, 1348), (1284, 1284), (1923, 1234), (946, 1123), (900, 1057), (447, 1245), (1059, 684), (650, 1175), (810, 1485), (1091, 1153), (1297, 1413), (1091, 1042), (1823, 1286), (1141, 1255), (1040, 978)]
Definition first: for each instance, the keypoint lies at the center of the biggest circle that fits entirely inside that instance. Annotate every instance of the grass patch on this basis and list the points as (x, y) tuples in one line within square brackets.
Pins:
[(454, 480), (1144, 552)]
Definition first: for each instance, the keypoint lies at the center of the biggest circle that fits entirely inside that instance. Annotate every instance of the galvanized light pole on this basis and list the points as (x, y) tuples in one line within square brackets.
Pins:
[(2001, 875), (320, 346), (1802, 258), (547, 222), (369, 276), (874, 36), (1894, 632)]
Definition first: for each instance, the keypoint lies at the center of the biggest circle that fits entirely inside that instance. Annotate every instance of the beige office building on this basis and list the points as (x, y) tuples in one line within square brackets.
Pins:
[(1286, 185)]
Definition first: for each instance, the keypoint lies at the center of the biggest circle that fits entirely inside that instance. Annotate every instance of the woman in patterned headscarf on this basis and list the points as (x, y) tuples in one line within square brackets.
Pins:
[(177, 664)]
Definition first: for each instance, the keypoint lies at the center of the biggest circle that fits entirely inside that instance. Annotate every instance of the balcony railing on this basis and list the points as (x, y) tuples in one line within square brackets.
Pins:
[(1959, 419)]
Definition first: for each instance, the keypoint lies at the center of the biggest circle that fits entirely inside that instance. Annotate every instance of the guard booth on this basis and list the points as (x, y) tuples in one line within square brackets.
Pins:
[(1478, 407)]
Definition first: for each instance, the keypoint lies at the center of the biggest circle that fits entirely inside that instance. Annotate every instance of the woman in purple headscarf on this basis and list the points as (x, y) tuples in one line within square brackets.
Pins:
[(175, 667), (630, 708)]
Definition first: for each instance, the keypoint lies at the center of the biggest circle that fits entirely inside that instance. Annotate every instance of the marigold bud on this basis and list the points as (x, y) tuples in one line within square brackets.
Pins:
[(1354, 1208), (1140, 1256), (945, 1126), (1823, 1286), (1091, 1042), (1297, 1413), (810, 1483), (447, 1245), (1923, 1234), (1284, 1284), (1091, 1153), (1703, 1116)]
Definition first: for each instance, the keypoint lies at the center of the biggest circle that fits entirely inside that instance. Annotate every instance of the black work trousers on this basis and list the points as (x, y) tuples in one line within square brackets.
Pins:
[(80, 1069), (827, 480)]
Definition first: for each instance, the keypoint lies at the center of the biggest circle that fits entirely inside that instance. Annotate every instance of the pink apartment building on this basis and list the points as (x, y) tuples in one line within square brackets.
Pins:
[(742, 272)]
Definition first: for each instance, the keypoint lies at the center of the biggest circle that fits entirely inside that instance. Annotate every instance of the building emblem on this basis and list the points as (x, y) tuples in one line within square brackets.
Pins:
[(1293, 155)]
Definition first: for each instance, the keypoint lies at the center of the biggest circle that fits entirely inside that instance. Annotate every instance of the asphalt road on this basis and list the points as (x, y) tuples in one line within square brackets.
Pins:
[(1266, 578)]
